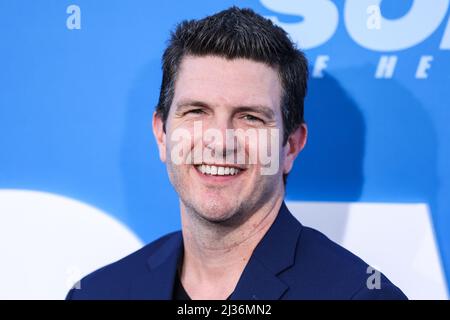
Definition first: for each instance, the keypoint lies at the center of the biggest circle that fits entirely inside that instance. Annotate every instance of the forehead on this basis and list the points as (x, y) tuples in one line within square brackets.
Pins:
[(217, 80)]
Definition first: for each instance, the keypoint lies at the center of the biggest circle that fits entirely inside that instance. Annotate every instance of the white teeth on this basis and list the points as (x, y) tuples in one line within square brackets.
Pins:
[(217, 170)]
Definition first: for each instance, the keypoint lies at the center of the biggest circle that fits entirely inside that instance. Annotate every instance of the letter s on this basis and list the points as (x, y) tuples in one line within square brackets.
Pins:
[(320, 20)]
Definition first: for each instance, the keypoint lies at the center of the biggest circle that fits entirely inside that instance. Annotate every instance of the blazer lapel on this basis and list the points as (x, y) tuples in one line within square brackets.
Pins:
[(258, 283), (157, 283), (274, 254)]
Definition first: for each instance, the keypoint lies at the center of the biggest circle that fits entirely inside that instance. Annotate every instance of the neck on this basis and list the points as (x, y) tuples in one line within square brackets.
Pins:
[(215, 254)]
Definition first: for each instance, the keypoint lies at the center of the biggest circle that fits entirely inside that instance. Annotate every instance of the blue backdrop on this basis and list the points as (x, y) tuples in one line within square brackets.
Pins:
[(78, 86)]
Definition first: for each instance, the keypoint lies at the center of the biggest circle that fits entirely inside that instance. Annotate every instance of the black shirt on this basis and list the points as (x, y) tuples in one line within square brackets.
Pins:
[(179, 293), (178, 290)]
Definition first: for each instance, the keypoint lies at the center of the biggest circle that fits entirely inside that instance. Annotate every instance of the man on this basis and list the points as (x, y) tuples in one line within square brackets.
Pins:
[(234, 73)]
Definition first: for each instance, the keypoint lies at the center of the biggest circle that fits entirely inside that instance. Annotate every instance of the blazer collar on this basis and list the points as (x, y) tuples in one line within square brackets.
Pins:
[(274, 254), (157, 284), (259, 280)]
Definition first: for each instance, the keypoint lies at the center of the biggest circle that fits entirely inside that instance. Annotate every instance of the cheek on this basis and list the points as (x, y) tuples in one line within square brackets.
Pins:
[(270, 150), (179, 145), (249, 150)]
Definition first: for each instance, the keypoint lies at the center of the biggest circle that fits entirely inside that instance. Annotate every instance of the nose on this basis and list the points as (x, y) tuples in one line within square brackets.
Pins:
[(218, 137)]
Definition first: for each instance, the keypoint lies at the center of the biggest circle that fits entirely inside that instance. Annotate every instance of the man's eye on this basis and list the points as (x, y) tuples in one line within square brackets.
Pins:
[(194, 111), (251, 118)]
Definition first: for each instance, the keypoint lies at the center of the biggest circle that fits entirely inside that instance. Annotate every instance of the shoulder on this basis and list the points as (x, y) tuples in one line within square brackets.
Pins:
[(113, 281), (325, 270)]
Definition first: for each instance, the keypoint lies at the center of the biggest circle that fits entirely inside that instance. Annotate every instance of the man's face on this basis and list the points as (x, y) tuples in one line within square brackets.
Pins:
[(213, 95)]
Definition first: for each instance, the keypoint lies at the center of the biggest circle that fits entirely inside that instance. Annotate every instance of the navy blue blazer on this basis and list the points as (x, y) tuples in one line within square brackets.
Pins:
[(290, 262)]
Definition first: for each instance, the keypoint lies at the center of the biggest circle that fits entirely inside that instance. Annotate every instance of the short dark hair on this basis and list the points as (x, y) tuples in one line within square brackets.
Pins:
[(239, 33)]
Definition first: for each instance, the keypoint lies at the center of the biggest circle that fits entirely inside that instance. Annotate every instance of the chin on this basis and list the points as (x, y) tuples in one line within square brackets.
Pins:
[(216, 213)]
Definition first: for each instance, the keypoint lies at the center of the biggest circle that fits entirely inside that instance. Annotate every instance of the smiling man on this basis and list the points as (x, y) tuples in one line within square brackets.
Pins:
[(229, 125)]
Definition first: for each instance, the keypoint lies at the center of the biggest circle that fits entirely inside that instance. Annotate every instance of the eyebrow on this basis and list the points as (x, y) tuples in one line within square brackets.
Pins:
[(262, 109), (190, 103)]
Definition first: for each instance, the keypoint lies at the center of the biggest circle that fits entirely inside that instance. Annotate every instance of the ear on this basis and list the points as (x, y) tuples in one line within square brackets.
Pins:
[(295, 143), (160, 136)]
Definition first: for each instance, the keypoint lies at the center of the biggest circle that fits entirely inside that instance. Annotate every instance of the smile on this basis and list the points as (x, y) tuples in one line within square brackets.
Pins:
[(217, 170)]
